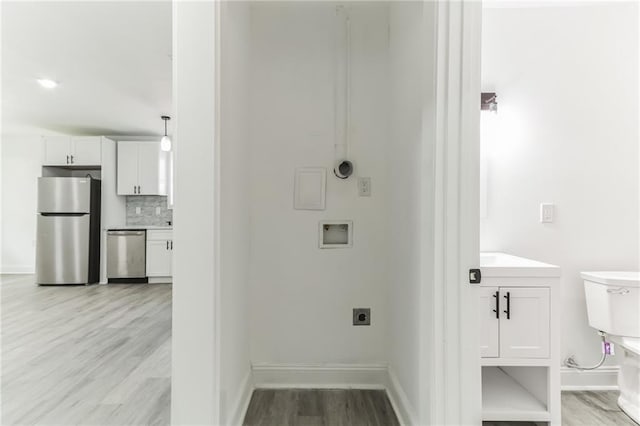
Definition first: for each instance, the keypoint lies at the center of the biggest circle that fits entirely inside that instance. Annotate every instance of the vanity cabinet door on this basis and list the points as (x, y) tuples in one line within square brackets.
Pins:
[(524, 322), (489, 322)]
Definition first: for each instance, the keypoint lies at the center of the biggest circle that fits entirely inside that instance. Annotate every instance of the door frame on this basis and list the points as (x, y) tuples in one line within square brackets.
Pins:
[(450, 374), (453, 343)]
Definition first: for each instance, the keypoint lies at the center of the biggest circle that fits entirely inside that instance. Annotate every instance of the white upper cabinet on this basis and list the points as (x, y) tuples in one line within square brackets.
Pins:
[(142, 169), (57, 150), (87, 151), (72, 151), (127, 168)]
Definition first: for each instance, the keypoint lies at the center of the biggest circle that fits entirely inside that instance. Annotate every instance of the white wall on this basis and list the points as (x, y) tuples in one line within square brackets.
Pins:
[(301, 297), (566, 132), (404, 154), (195, 375), (234, 220), (21, 166)]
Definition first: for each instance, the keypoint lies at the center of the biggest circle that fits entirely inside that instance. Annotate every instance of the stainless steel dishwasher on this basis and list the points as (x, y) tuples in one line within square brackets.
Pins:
[(126, 255)]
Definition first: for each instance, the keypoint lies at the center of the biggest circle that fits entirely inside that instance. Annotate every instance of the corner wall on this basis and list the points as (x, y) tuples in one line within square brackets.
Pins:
[(566, 132), (405, 188), (235, 373)]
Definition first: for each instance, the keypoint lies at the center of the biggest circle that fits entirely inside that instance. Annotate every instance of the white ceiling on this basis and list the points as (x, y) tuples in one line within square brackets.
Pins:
[(112, 60)]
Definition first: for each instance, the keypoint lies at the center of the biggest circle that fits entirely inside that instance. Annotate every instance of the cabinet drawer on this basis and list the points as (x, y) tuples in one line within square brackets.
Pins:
[(159, 235)]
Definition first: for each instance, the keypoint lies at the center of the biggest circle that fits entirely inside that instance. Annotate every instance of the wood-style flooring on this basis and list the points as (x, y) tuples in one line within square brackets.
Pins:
[(76, 355), (101, 355), (593, 408), (319, 407)]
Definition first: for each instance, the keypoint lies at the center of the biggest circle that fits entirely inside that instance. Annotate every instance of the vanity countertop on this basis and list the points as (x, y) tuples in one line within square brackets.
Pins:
[(495, 264)]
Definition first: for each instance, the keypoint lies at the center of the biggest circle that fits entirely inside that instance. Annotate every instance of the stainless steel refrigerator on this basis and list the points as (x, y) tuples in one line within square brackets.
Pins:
[(68, 235)]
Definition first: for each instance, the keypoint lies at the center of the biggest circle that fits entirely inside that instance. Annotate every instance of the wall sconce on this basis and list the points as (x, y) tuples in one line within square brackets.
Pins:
[(489, 102)]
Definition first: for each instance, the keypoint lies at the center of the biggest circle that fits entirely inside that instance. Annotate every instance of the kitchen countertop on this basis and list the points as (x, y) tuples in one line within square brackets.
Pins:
[(145, 227), (506, 265)]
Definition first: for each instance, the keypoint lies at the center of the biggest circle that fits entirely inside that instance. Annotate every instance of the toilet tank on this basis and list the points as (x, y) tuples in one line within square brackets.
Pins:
[(613, 301)]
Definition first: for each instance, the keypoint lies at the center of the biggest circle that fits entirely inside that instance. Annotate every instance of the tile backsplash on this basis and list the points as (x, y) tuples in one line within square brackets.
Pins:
[(148, 205)]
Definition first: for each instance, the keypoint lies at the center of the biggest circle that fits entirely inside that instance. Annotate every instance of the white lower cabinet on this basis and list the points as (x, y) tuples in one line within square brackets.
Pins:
[(515, 322), (519, 338), (159, 253)]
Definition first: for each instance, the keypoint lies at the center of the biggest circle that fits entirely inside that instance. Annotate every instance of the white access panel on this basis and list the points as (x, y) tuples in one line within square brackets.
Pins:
[(489, 323), (310, 188), (525, 334)]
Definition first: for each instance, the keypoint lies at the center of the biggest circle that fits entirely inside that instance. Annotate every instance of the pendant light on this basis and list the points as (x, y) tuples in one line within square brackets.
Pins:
[(165, 142)]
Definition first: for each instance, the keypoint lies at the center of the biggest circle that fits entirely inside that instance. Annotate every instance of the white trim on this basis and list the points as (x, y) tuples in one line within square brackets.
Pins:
[(320, 376), (17, 269), (454, 383), (603, 378), (399, 401), (241, 404)]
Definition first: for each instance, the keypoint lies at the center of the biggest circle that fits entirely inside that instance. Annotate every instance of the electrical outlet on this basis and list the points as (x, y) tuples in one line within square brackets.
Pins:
[(361, 316), (157, 211), (138, 210), (364, 186)]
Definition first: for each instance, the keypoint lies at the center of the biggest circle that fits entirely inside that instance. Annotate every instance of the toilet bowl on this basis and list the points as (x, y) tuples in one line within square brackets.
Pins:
[(613, 306)]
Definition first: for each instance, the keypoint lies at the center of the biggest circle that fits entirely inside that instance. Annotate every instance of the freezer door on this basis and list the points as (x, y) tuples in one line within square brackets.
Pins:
[(64, 195), (62, 249)]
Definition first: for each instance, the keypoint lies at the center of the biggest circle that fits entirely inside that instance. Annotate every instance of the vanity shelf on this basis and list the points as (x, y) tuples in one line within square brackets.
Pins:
[(504, 399)]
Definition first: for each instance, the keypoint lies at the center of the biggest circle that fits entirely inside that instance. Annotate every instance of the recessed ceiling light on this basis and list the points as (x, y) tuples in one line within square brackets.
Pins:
[(46, 83)]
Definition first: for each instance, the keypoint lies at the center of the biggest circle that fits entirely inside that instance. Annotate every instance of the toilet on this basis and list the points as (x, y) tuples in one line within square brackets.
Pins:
[(613, 306)]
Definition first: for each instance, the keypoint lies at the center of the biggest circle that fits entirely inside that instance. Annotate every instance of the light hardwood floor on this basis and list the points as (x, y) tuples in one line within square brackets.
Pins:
[(101, 355), (85, 355), (319, 407)]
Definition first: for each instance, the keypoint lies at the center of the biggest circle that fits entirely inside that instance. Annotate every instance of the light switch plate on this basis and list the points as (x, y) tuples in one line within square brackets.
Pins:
[(138, 210), (157, 211), (547, 212)]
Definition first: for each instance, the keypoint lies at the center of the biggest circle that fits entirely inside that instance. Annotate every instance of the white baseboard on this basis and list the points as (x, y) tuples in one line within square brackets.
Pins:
[(320, 376), (17, 269), (399, 400), (242, 400), (603, 378)]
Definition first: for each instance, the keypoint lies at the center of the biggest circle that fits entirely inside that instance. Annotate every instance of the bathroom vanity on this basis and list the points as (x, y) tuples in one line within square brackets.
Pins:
[(519, 339)]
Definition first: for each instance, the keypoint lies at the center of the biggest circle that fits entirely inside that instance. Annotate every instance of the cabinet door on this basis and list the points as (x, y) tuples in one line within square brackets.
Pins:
[(127, 168), (57, 151), (525, 334), (152, 169), (158, 258), (489, 322), (86, 151)]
